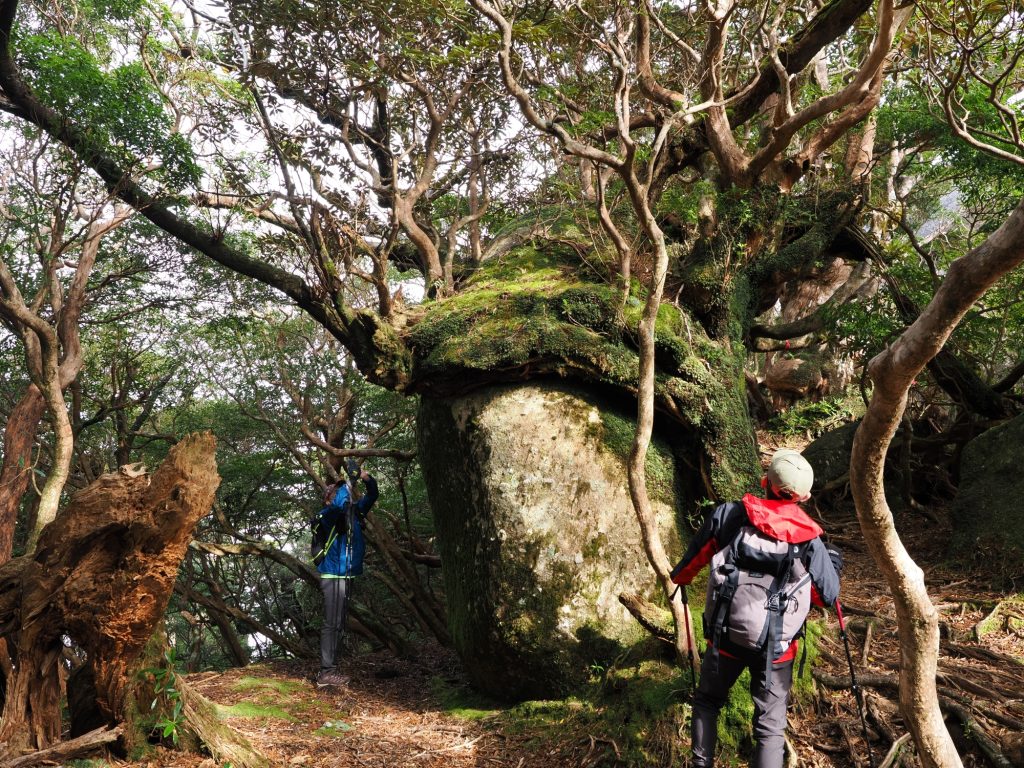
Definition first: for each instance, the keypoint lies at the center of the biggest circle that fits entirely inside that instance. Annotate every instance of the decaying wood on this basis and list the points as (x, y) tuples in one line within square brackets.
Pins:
[(102, 574), (116, 596), (226, 744), (649, 616), (66, 750)]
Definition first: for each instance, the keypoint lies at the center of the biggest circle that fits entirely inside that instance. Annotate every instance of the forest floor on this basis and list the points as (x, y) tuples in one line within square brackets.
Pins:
[(418, 712)]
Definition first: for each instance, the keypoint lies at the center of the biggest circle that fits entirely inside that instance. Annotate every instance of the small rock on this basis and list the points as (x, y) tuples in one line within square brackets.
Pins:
[(208, 763), (299, 760)]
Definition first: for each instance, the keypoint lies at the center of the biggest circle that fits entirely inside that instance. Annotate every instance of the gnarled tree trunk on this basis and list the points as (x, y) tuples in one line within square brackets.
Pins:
[(892, 373), (102, 574), (16, 471)]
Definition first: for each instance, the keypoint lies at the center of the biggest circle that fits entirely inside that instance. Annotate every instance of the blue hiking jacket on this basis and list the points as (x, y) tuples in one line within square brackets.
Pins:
[(345, 553)]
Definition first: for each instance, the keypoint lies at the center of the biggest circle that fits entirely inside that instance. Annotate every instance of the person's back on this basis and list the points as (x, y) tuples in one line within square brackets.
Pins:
[(767, 564)]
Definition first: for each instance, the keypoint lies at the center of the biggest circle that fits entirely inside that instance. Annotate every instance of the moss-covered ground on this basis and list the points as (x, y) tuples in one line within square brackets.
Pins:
[(640, 704)]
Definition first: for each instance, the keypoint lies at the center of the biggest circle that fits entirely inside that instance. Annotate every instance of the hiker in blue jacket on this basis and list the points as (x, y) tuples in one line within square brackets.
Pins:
[(342, 562)]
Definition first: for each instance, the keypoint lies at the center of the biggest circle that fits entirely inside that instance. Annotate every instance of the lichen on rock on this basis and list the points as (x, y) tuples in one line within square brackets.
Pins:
[(537, 532)]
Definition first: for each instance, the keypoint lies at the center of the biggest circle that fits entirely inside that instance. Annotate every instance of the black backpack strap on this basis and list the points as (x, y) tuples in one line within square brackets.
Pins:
[(720, 613), (777, 600)]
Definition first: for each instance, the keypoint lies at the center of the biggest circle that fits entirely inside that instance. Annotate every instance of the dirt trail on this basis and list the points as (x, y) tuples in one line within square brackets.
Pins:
[(391, 713), (982, 680)]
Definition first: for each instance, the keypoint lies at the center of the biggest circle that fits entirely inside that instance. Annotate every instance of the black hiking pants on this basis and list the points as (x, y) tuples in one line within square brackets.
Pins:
[(770, 698), (336, 593)]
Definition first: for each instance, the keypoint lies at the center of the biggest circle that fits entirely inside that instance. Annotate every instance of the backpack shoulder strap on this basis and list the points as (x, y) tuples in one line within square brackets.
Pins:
[(779, 595), (716, 623)]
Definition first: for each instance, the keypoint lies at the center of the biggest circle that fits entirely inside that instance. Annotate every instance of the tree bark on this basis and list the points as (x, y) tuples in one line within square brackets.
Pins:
[(892, 373), (16, 471), (102, 574), (653, 544)]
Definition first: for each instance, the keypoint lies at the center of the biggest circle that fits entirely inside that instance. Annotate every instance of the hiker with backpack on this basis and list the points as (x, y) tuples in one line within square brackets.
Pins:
[(767, 564), (338, 548)]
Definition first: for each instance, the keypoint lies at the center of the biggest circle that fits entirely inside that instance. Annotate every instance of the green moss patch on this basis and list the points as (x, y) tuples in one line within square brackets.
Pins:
[(459, 700), (283, 687), (541, 310), (248, 709), (640, 707), (616, 431)]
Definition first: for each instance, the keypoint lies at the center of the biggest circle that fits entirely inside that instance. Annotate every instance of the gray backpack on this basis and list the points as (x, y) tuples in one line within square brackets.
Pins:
[(759, 595)]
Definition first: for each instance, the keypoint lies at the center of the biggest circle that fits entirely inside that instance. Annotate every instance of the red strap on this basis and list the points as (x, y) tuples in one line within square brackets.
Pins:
[(689, 572), (788, 655)]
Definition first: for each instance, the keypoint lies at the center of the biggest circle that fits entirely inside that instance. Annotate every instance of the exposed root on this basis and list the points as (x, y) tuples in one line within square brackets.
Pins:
[(64, 751)]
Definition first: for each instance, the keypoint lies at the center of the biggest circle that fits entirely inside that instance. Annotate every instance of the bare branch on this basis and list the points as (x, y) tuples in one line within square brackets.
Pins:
[(524, 100), (862, 93)]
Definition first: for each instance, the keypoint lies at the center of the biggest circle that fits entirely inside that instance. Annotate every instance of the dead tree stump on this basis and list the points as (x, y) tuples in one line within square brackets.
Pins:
[(102, 574)]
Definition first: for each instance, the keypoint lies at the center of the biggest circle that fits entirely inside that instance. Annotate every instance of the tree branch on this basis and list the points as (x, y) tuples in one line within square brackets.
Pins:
[(355, 329)]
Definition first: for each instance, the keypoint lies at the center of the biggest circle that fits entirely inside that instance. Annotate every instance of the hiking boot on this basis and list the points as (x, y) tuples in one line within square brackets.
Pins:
[(331, 678)]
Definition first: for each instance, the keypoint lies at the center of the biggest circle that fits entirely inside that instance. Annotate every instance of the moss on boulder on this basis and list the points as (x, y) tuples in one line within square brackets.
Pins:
[(541, 311), (988, 520), (537, 532)]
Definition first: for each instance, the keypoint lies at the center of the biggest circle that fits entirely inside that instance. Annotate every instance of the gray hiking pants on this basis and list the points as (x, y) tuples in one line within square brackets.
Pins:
[(770, 698), (336, 594)]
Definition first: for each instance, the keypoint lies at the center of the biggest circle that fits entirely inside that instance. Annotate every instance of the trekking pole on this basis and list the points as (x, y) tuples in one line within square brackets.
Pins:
[(857, 692), (689, 636)]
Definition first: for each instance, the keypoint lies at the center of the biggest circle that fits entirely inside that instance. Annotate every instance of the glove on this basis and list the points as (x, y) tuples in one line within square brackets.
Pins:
[(837, 560), (353, 470)]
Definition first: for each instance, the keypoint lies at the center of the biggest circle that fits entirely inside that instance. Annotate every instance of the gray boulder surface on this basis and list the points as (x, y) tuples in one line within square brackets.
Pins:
[(537, 532), (987, 514)]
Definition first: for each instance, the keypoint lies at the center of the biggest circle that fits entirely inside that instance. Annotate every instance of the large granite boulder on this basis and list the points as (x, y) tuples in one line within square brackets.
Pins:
[(829, 457), (537, 532), (987, 514)]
